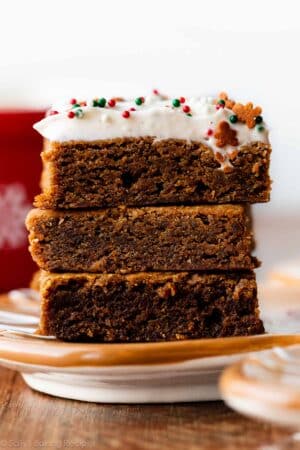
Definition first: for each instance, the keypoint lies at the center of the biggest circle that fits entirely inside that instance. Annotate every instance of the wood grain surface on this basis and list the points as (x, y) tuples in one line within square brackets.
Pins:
[(31, 420)]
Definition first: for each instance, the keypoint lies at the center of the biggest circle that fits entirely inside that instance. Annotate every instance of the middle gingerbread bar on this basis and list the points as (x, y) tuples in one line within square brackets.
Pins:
[(123, 239)]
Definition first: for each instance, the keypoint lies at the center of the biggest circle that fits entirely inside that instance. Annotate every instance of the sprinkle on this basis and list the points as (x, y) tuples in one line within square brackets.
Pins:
[(139, 101), (189, 114), (53, 113), (132, 109), (260, 128), (228, 102), (71, 114), (233, 119), (258, 119), (247, 113), (225, 135), (125, 114), (186, 109), (210, 132), (182, 99), (76, 105), (100, 102), (221, 102), (176, 102), (111, 102), (79, 113), (73, 101), (82, 103), (155, 92)]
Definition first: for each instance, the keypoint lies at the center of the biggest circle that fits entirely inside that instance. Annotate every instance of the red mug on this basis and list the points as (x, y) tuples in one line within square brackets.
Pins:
[(20, 171)]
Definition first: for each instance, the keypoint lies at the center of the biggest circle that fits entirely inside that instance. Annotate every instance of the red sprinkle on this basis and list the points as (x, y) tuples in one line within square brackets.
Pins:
[(155, 92), (210, 132), (186, 109), (82, 103), (52, 113), (132, 109), (71, 115), (73, 101), (125, 114), (182, 99), (111, 102)]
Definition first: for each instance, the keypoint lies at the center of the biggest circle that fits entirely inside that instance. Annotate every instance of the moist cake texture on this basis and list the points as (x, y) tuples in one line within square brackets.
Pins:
[(170, 238), (145, 171), (148, 307)]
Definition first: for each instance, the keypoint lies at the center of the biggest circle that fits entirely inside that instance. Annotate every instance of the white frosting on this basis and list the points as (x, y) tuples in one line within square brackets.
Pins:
[(156, 117)]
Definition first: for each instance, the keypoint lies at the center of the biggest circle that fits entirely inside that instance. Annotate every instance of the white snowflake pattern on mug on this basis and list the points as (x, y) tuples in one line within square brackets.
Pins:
[(14, 206)]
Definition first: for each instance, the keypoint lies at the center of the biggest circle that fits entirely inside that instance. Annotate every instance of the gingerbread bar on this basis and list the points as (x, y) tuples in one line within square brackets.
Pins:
[(153, 151), (123, 239), (148, 306)]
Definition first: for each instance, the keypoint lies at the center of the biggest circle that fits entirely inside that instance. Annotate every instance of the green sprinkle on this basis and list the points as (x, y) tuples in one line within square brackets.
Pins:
[(258, 119), (176, 102), (138, 101), (189, 114), (76, 105), (233, 119), (221, 102), (79, 113), (261, 128), (102, 102)]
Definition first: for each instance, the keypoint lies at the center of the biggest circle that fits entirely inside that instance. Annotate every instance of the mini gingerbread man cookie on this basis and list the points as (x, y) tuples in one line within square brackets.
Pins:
[(225, 135), (228, 102), (248, 114)]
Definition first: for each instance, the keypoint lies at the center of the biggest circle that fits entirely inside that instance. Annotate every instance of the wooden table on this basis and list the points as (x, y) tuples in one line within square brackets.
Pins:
[(32, 420)]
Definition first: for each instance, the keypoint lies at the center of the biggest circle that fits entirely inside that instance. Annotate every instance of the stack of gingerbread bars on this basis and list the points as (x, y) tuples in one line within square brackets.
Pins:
[(142, 229)]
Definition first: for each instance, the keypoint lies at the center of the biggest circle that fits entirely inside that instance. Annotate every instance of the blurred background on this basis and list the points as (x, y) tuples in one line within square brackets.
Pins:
[(54, 49)]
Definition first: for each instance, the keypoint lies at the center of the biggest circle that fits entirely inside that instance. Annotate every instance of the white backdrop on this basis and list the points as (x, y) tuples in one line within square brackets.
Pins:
[(250, 49)]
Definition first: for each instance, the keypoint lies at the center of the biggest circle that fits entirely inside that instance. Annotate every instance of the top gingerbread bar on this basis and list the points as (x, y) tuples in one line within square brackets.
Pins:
[(152, 151)]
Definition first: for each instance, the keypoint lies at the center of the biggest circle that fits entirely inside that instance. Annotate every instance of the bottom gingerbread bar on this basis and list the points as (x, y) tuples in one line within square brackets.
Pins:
[(147, 307)]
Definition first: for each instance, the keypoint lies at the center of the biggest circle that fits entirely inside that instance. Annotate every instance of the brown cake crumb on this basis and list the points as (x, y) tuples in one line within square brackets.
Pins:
[(167, 238), (145, 171), (131, 308)]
